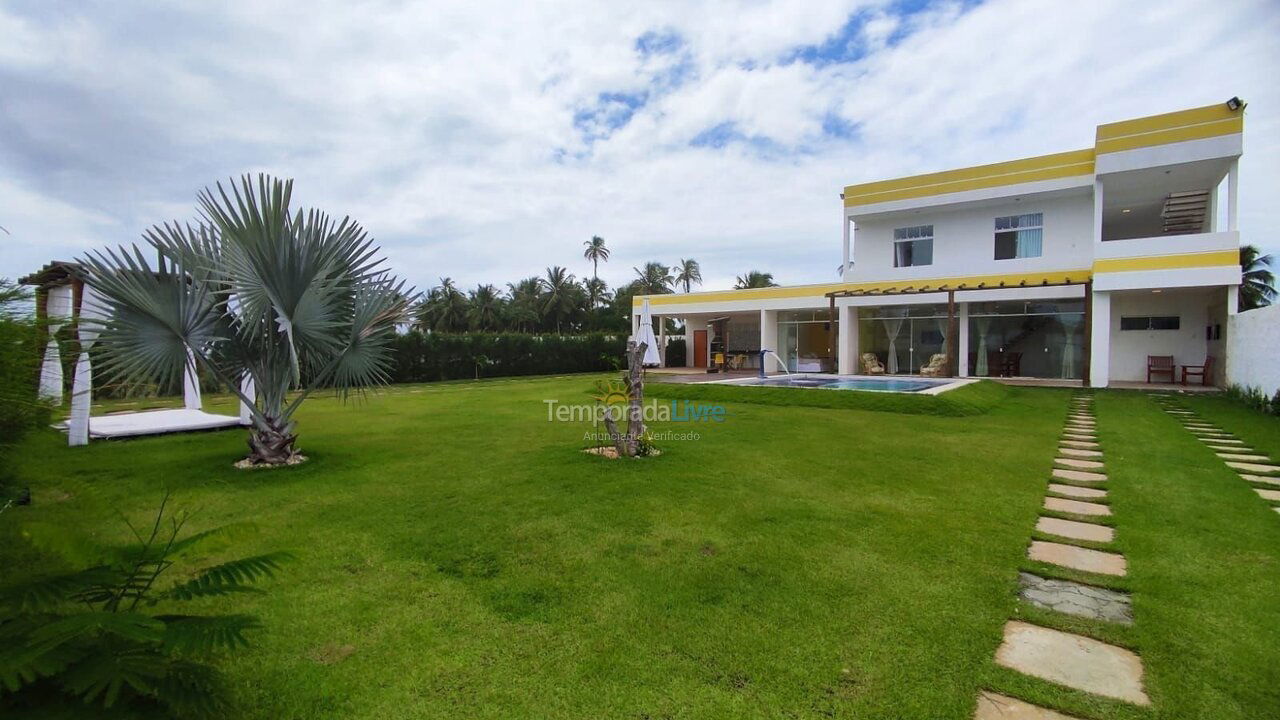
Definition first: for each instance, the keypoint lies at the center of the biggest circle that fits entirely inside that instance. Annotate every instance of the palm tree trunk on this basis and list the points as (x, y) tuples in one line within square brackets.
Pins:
[(272, 444)]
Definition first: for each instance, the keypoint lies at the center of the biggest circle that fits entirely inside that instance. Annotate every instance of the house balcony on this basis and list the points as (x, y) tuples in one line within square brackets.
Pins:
[(1189, 260)]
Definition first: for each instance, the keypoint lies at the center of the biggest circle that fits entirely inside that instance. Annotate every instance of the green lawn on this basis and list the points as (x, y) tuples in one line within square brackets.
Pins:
[(459, 557)]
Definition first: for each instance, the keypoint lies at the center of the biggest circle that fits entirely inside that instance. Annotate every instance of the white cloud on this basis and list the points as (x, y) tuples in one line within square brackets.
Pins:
[(457, 133)]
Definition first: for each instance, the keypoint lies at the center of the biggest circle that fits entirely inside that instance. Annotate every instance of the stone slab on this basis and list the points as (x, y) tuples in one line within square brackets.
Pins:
[(1073, 660), (1078, 475), (1222, 441), (1077, 558), (1075, 530), (1079, 444), (1076, 491), (1261, 479), (993, 706), (1075, 598), (1231, 448), (1210, 433), (1077, 507), (1083, 464), (1077, 452), (1243, 456), (1253, 467), (1273, 495)]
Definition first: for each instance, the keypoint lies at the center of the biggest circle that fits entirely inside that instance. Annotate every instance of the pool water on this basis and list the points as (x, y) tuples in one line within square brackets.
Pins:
[(845, 382)]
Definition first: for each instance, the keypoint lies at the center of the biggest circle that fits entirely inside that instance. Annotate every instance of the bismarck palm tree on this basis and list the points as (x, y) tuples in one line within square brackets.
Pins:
[(1258, 285), (292, 301), (597, 253), (485, 309), (688, 272), (754, 279), (561, 297), (654, 279)]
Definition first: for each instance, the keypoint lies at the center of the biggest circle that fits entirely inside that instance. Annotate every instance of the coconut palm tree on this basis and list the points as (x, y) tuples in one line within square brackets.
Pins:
[(444, 309), (654, 279), (484, 309), (292, 301), (596, 252), (597, 291), (755, 279), (1258, 284), (687, 273), (561, 295), (524, 306)]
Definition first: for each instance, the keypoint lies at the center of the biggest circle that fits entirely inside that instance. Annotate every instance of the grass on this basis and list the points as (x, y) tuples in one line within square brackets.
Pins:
[(458, 556)]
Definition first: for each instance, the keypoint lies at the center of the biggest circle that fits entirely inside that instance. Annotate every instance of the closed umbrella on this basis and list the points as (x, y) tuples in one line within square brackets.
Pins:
[(645, 335)]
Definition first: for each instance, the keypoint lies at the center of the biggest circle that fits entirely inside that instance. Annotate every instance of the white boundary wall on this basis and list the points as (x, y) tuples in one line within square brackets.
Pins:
[(1253, 349)]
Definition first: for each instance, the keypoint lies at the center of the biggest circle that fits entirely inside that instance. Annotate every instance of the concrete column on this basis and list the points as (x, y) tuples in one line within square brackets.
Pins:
[(688, 343), (635, 324), (1233, 300), (962, 347), (1233, 195), (1100, 340), (845, 222), (769, 339), (662, 341), (847, 341), (1097, 211)]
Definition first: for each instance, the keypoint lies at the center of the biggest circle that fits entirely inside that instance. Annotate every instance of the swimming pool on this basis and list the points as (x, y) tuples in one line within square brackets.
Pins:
[(851, 382)]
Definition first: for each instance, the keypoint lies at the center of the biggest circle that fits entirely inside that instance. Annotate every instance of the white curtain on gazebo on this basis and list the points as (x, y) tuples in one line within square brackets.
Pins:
[(191, 384), (93, 313), (250, 391), (57, 310)]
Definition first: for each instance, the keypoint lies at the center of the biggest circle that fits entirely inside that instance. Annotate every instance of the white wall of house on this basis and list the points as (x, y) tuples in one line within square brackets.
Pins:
[(1129, 348), (964, 239), (1253, 349)]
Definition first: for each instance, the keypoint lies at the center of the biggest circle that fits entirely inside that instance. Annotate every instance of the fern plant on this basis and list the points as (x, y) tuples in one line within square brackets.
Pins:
[(95, 634)]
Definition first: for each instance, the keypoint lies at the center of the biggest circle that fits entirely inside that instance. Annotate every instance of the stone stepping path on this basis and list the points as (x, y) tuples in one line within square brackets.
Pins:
[(1068, 659), (1073, 598), (1253, 467), (1075, 530), (1075, 507), (1073, 660)]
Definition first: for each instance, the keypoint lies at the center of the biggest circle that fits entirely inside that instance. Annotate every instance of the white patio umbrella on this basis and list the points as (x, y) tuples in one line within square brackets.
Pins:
[(645, 335)]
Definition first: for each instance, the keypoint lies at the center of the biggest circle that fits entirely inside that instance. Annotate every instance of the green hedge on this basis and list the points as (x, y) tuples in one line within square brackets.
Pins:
[(421, 357), (973, 399)]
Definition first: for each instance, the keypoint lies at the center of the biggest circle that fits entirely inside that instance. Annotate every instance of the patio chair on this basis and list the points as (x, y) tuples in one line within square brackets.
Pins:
[(871, 364), (1160, 365), (937, 366), (737, 361), (1204, 372)]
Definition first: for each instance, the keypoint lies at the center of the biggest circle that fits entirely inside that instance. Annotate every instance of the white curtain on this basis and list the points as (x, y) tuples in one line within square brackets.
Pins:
[(1030, 243), (93, 312), (892, 326), (250, 391), (191, 384), (944, 326), (981, 369), (57, 310), (1069, 324)]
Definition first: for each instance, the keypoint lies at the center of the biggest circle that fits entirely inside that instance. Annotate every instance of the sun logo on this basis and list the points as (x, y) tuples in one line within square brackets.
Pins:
[(611, 392)]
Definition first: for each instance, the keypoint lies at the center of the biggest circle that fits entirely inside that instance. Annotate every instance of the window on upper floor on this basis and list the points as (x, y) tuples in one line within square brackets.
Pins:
[(913, 246), (1019, 236)]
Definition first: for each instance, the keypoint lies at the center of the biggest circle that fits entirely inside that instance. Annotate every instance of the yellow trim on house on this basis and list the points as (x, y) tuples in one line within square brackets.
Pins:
[(1032, 279), (1181, 126), (1167, 262), (1044, 167)]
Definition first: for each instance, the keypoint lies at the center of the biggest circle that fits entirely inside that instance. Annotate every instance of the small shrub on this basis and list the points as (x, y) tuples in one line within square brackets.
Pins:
[(92, 633), (1254, 399)]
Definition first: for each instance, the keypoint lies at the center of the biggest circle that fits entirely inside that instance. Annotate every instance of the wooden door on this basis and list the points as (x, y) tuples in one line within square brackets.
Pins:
[(700, 348)]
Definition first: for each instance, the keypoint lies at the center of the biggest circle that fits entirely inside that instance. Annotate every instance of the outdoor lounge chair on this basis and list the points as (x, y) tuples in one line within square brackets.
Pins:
[(1161, 365), (871, 364), (1204, 372), (937, 366)]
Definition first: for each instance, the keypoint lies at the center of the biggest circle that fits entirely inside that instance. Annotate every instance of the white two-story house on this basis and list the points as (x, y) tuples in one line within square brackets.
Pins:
[(1072, 266)]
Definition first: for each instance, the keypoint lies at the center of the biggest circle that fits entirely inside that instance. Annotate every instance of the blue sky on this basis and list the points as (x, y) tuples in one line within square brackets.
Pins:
[(486, 141)]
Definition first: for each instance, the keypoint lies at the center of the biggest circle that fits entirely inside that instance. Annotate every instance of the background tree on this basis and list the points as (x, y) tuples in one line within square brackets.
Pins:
[(524, 304), (688, 272), (597, 253), (485, 309), (561, 296), (754, 279), (1258, 286), (295, 301), (653, 279)]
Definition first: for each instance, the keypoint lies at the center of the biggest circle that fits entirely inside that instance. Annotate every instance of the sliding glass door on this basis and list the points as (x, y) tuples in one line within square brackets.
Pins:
[(1043, 339), (903, 338)]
